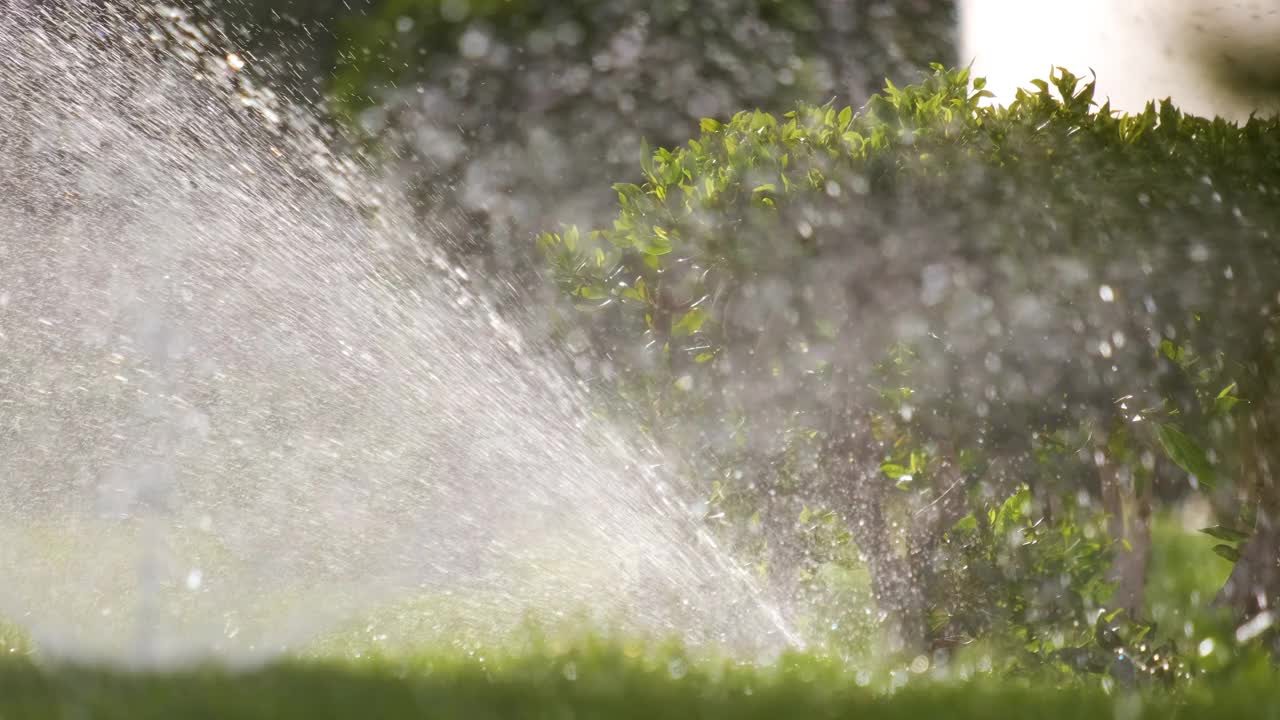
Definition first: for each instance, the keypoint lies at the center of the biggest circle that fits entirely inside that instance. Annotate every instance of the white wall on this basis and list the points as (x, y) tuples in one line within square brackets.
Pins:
[(1212, 56)]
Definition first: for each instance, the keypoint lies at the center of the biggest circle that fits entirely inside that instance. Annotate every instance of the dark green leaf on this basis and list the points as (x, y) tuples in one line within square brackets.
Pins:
[(1228, 552), (1222, 532), (1186, 454)]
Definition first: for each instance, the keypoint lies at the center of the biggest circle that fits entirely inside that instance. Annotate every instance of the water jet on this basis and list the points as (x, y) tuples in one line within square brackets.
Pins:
[(243, 397)]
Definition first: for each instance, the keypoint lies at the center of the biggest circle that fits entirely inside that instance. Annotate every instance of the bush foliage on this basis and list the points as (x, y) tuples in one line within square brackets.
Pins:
[(901, 320)]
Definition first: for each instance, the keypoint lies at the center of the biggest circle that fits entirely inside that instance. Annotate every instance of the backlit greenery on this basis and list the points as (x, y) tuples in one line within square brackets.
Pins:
[(936, 327)]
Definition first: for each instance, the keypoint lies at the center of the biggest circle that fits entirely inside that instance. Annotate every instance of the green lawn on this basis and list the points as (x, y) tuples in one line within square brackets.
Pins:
[(372, 670), (594, 681)]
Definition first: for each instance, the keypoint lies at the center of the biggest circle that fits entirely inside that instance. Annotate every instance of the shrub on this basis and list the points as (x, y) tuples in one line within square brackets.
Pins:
[(903, 315)]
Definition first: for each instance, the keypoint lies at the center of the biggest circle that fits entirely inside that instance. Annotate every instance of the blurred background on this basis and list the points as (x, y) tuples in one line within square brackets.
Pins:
[(516, 116)]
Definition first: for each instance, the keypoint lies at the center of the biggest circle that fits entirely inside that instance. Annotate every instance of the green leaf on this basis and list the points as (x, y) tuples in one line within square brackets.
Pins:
[(1176, 353), (646, 158), (1224, 406), (918, 460), (893, 470), (1186, 454), (1226, 400), (659, 243), (1222, 532), (761, 120), (690, 323), (548, 241), (846, 117), (1228, 552), (639, 291)]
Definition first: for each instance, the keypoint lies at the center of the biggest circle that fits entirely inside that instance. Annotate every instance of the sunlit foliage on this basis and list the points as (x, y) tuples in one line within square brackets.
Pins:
[(911, 315)]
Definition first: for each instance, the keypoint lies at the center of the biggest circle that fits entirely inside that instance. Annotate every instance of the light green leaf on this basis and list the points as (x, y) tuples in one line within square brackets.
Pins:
[(690, 323), (893, 470), (846, 117), (659, 243), (1226, 400)]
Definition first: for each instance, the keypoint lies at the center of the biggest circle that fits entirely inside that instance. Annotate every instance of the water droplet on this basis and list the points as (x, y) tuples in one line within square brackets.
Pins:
[(1106, 293), (195, 579), (235, 62), (935, 281), (474, 44), (1255, 627)]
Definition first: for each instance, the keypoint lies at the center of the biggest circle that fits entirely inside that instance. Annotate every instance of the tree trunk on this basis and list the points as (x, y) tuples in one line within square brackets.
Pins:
[(890, 550), (1254, 583), (1129, 524), (894, 581)]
